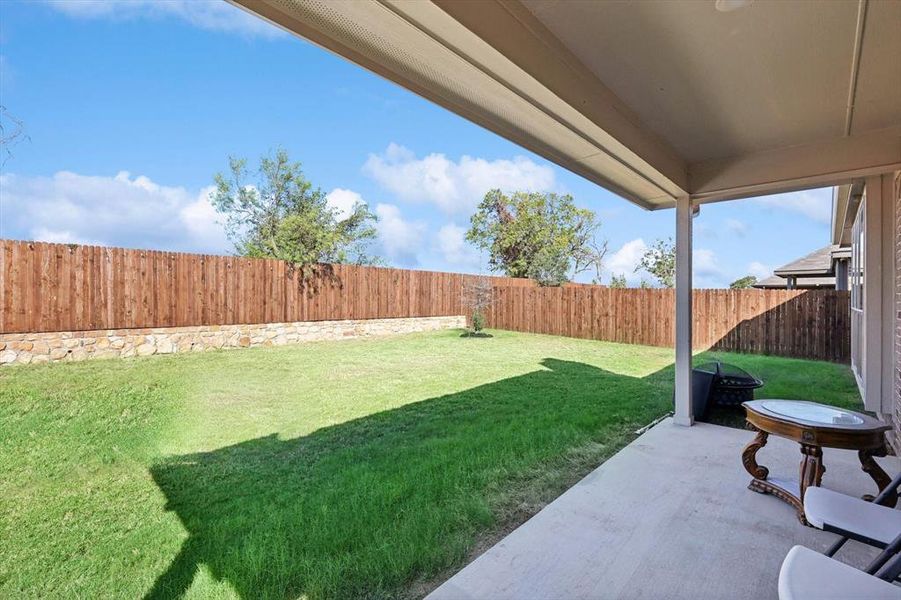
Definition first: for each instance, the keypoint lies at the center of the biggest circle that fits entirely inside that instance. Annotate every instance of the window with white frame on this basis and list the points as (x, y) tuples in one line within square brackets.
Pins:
[(858, 232)]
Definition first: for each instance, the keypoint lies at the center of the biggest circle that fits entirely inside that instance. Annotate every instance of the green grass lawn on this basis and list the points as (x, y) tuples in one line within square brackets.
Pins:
[(367, 468)]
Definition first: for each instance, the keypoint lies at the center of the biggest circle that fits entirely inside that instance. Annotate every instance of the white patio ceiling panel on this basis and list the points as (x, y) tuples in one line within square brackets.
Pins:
[(423, 49), (654, 99), (878, 99), (717, 84)]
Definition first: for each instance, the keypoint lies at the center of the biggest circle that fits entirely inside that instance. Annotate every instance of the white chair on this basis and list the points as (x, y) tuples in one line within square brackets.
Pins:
[(852, 518), (809, 575)]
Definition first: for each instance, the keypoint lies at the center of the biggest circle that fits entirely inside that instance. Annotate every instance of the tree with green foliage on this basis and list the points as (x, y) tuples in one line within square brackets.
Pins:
[(618, 281), (542, 236), (743, 283), (660, 261), (283, 216)]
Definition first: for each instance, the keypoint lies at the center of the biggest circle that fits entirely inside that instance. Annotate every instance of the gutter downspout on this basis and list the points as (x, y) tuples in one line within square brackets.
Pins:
[(855, 63)]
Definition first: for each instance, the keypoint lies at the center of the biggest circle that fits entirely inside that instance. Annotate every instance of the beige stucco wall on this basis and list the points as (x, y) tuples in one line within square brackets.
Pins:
[(31, 348)]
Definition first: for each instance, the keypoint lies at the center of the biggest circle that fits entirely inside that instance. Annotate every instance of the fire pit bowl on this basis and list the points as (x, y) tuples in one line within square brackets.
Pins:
[(732, 385)]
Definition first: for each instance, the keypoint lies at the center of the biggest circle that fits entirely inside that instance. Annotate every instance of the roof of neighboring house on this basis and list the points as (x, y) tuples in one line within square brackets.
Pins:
[(776, 282), (817, 263)]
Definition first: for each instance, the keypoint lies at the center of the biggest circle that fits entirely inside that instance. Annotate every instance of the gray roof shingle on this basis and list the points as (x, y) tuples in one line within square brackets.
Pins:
[(818, 262), (776, 282)]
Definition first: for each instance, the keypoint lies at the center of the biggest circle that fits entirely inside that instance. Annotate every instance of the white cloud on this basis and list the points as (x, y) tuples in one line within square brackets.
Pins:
[(126, 211), (213, 15), (736, 227), (343, 202), (59, 237), (706, 269), (625, 260), (451, 243), (704, 263), (759, 270), (203, 222), (813, 204), (455, 187), (400, 239), (704, 230)]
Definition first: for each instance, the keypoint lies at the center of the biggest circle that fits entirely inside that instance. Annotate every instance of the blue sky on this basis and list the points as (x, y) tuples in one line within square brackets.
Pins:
[(131, 108)]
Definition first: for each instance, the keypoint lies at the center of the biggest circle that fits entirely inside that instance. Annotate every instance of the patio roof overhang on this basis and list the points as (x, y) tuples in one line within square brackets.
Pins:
[(652, 100), (845, 200)]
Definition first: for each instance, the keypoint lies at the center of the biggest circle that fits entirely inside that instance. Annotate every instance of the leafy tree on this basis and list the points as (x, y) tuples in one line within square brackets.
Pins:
[(549, 266), (618, 281), (283, 216), (660, 261), (644, 284), (543, 236), (743, 283)]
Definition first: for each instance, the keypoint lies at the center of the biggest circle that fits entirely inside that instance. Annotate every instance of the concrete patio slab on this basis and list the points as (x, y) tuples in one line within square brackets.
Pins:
[(669, 516)]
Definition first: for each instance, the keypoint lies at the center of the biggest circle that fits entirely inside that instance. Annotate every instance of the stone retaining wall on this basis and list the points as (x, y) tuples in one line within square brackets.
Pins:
[(30, 348)]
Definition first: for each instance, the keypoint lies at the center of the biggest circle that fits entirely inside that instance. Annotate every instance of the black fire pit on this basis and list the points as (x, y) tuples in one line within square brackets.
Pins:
[(731, 385), (722, 384)]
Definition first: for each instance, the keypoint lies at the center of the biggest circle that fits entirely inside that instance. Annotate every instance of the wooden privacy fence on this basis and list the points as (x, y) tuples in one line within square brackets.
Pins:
[(62, 287), (68, 287), (805, 324)]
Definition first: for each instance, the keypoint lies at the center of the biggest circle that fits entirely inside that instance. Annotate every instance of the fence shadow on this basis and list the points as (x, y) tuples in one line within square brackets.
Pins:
[(812, 324), (390, 496), (815, 326)]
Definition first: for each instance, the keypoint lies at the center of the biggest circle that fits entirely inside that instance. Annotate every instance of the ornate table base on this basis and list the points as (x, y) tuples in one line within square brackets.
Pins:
[(810, 473), (872, 468)]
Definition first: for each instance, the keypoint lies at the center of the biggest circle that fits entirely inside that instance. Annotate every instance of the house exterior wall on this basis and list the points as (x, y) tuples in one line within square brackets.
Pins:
[(896, 413), (876, 300), (888, 308), (841, 273)]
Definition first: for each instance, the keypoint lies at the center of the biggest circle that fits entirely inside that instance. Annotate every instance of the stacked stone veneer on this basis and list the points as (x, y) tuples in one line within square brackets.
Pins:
[(30, 348)]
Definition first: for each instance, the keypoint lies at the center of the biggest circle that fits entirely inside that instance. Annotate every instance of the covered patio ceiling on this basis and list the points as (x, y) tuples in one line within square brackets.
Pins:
[(653, 100)]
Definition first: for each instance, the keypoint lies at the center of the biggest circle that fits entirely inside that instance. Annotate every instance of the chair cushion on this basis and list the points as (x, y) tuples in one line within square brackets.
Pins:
[(857, 517), (808, 575)]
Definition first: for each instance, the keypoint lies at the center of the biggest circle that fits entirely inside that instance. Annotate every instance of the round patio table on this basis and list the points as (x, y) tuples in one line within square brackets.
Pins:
[(814, 426)]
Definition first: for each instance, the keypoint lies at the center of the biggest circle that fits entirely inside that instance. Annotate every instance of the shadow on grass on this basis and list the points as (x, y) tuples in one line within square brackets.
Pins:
[(369, 506)]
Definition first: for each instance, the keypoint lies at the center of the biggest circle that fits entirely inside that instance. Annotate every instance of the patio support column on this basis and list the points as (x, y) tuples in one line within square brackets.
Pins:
[(683, 413)]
